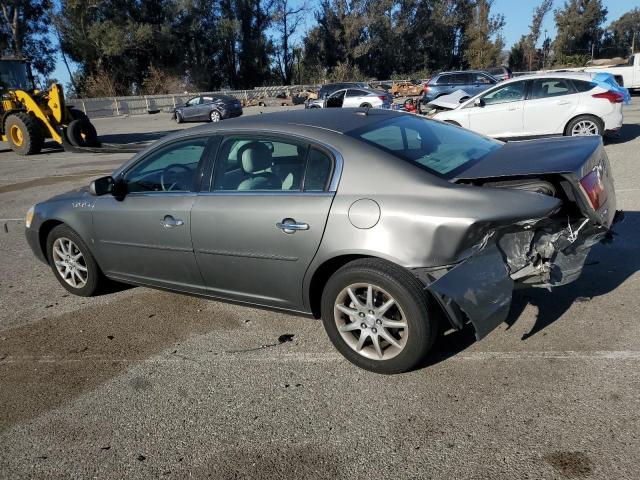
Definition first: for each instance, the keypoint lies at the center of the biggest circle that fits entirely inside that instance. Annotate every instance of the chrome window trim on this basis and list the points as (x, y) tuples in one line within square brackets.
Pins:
[(269, 193), (152, 193)]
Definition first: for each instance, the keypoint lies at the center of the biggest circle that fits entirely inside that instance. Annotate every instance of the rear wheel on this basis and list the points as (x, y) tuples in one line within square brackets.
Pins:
[(584, 125), (378, 316), (23, 133), (365, 105), (72, 263)]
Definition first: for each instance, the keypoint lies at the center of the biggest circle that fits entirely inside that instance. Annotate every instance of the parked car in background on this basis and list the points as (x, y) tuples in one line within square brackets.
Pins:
[(500, 73), (212, 108), (383, 225), (539, 105), (629, 74), (472, 82), (406, 89), (330, 88), (353, 98)]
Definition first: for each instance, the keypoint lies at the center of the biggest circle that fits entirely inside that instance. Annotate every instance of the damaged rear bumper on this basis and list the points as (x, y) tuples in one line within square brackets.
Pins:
[(479, 289)]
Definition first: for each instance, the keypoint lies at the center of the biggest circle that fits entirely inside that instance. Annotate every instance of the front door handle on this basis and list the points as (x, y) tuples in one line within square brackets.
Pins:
[(563, 102), (289, 225), (169, 222)]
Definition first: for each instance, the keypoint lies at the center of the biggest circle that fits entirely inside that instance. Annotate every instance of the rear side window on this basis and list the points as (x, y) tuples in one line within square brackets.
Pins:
[(258, 164), (319, 166), (356, 93), (439, 148), (550, 87), (461, 78), (582, 86)]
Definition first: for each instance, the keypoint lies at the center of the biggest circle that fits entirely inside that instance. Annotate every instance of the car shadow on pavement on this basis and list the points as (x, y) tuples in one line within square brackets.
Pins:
[(606, 268), (628, 132), (138, 137)]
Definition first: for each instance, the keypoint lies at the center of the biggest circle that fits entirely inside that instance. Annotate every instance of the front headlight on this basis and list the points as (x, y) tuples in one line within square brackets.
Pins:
[(29, 218)]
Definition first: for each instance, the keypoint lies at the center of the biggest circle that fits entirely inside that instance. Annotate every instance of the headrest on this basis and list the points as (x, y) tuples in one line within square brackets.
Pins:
[(255, 157)]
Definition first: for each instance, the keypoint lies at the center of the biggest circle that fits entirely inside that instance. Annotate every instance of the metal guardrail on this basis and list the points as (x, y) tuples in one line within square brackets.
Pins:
[(142, 104)]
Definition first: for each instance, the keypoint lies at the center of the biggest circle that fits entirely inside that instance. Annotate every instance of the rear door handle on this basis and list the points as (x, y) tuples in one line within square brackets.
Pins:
[(289, 225), (169, 222)]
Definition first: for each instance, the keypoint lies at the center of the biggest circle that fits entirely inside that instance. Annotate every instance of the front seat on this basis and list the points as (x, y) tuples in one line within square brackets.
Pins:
[(255, 159)]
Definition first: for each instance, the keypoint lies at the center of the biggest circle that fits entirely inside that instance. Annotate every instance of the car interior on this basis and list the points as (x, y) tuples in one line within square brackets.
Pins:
[(269, 165)]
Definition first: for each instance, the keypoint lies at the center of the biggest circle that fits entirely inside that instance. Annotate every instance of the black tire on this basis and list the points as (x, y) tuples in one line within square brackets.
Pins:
[(178, 118), (413, 302), (365, 105), (215, 116), (94, 279), (24, 133), (584, 118), (82, 133)]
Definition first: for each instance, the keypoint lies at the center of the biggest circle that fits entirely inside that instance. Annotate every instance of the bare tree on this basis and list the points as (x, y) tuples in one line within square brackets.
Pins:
[(287, 20)]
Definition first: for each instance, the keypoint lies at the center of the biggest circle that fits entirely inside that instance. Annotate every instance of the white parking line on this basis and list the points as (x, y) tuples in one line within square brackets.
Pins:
[(619, 355), (11, 219)]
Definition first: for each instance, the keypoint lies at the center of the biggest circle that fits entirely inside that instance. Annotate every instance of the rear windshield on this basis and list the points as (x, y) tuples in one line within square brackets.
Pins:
[(431, 145)]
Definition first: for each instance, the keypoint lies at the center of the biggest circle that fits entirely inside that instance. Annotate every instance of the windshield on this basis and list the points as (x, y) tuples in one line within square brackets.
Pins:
[(14, 75), (437, 147)]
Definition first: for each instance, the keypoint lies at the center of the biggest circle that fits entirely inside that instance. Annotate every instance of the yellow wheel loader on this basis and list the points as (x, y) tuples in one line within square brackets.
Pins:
[(29, 116)]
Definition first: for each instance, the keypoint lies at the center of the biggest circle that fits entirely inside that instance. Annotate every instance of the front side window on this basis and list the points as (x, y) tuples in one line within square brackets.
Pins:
[(169, 169), (512, 92), (439, 148), (550, 87)]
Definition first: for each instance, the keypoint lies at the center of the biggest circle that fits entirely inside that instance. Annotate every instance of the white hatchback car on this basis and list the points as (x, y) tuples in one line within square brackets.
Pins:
[(540, 105)]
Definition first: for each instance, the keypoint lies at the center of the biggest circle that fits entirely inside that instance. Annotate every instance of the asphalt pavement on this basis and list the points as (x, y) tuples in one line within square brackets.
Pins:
[(148, 384)]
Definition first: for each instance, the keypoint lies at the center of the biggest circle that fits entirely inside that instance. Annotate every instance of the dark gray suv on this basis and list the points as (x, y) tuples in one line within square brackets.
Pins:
[(471, 81)]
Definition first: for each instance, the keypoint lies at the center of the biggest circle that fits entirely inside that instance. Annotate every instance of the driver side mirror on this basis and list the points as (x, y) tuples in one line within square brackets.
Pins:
[(478, 102), (101, 186)]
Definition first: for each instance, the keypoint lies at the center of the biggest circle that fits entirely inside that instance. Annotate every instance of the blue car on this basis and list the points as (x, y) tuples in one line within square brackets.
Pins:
[(471, 81)]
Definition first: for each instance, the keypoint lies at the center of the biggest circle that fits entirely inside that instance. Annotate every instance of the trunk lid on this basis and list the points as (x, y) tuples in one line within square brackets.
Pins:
[(568, 159)]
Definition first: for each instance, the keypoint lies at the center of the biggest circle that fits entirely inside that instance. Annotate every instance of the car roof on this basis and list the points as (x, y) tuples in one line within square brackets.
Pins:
[(338, 120), (462, 71), (567, 75)]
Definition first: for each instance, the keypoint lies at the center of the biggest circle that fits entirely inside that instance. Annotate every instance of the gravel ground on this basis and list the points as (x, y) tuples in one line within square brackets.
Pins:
[(146, 384)]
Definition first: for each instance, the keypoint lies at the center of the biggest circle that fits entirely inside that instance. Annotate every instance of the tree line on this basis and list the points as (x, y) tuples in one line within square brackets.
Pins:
[(120, 47)]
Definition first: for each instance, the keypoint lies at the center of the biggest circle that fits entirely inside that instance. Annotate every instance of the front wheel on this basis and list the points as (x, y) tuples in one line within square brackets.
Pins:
[(23, 133), (72, 263), (378, 316), (584, 126)]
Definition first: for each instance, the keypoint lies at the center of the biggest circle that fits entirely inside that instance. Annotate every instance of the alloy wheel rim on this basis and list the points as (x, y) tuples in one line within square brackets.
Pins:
[(215, 117), (371, 321), (70, 263), (584, 128)]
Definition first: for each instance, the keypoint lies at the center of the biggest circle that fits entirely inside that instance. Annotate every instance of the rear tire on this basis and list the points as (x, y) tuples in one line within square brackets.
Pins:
[(409, 323), (365, 105), (23, 133), (584, 125), (72, 263)]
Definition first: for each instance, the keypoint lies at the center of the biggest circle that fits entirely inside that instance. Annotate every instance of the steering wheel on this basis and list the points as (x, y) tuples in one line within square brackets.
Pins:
[(173, 166)]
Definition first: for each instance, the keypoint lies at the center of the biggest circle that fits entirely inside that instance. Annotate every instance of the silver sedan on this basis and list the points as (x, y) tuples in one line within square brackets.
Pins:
[(385, 225)]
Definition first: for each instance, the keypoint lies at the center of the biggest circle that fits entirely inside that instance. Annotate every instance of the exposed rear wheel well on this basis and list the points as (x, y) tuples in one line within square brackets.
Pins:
[(45, 229), (320, 277)]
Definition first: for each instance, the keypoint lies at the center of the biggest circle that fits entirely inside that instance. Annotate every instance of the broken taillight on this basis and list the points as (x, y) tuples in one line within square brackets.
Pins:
[(594, 188), (383, 98), (613, 97)]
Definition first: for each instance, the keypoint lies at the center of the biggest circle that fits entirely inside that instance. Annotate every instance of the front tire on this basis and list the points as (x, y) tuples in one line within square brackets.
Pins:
[(378, 316), (584, 125), (178, 118), (72, 263), (24, 133)]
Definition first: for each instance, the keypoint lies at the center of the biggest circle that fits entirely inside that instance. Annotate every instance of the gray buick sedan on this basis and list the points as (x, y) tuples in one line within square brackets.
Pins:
[(388, 226)]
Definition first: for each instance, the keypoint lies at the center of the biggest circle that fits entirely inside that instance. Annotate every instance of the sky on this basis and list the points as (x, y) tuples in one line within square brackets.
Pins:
[(517, 14)]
